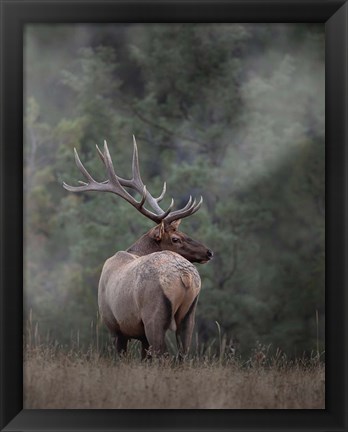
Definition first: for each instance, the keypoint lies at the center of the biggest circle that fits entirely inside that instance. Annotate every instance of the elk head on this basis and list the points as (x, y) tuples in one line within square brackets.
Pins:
[(164, 236), (168, 237)]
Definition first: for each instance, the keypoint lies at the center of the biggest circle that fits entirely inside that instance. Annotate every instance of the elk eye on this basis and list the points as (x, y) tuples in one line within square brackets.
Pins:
[(175, 240)]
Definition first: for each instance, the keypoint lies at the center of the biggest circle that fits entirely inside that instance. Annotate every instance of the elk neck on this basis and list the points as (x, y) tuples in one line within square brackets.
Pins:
[(144, 246)]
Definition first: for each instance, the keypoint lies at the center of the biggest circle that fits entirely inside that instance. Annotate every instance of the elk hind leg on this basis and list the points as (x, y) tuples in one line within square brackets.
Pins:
[(185, 329), (121, 343), (144, 349), (157, 318)]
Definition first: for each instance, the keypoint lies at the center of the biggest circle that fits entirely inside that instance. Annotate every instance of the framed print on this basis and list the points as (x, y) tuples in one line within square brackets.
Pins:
[(226, 118)]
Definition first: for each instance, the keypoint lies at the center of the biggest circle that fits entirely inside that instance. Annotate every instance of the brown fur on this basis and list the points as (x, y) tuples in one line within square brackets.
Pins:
[(152, 287)]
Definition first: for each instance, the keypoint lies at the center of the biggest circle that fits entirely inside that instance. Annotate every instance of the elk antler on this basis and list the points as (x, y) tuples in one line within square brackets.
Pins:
[(116, 185)]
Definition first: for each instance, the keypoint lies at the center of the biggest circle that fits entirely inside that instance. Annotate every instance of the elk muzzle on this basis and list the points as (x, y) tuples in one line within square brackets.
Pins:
[(209, 256)]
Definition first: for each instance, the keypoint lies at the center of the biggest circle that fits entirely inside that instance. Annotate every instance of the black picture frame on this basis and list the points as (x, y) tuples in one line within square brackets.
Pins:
[(14, 15)]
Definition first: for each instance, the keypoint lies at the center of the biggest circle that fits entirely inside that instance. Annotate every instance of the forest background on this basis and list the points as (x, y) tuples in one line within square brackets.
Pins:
[(232, 112)]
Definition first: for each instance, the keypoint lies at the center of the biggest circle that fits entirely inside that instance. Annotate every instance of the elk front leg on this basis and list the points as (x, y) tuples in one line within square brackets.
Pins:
[(185, 330)]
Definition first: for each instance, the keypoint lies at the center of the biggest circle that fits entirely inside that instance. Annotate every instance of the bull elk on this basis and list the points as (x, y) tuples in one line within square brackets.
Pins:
[(152, 286)]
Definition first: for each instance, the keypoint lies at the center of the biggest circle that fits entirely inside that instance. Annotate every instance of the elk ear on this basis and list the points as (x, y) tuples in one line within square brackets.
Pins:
[(175, 224), (157, 232)]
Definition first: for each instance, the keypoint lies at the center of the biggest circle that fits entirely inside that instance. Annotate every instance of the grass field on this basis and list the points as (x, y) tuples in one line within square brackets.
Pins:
[(57, 379)]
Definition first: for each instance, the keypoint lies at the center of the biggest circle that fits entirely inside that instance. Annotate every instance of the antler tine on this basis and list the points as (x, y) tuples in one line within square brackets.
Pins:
[(188, 210), (107, 161), (135, 165), (100, 153), (143, 198), (137, 181), (188, 206), (160, 198), (85, 186), (198, 206), (81, 167), (110, 167), (166, 213)]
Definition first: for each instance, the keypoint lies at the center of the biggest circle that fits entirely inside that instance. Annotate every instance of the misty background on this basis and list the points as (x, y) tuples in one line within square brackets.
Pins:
[(232, 112)]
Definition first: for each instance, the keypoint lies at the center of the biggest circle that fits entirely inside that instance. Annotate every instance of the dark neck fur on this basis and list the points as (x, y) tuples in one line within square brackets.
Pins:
[(144, 246)]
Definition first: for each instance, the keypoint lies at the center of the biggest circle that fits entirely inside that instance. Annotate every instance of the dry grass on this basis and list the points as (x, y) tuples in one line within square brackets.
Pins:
[(69, 380)]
